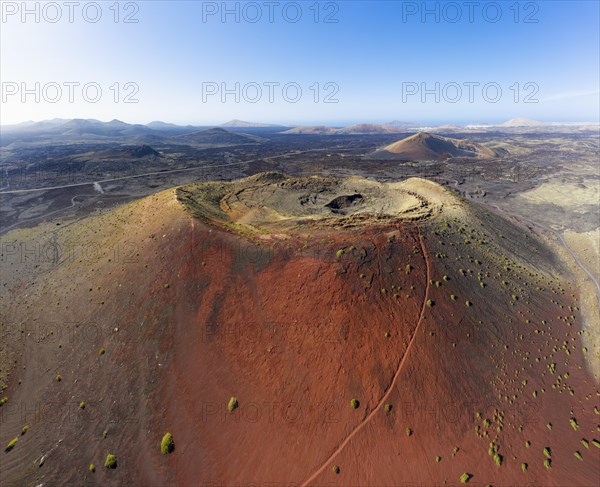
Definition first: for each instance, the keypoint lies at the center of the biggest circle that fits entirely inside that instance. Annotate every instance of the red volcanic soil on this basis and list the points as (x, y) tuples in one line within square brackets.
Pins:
[(295, 326), (294, 338)]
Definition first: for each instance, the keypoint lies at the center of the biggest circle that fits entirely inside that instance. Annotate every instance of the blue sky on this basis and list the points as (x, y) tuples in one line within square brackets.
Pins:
[(373, 62)]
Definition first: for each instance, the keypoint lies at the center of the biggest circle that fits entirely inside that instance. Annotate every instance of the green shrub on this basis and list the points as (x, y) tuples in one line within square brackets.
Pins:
[(388, 408), (574, 424), (167, 445), (3, 401), (92, 467), (438, 459), (465, 477), (596, 443), (409, 432), (429, 303), (468, 303), (58, 377), (548, 463), (82, 405), (111, 461), (578, 456), (339, 252), (524, 467), (585, 443), (11, 444), (102, 351), (354, 403), (336, 469), (233, 404), (25, 429), (547, 453), (498, 459)]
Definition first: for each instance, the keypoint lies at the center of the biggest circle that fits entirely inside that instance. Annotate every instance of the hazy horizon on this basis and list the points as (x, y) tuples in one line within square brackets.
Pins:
[(342, 123)]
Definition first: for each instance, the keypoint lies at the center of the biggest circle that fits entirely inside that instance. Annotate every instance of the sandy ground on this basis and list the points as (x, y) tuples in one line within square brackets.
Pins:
[(565, 194), (587, 247)]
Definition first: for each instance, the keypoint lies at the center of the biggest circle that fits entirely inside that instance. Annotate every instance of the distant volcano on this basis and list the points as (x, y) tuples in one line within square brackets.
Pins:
[(217, 136), (141, 151), (242, 123), (521, 122), (369, 128), (429, 147)]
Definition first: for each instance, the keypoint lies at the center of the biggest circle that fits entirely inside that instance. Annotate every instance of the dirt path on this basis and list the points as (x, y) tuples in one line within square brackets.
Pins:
[(372, 414), (45, 215)]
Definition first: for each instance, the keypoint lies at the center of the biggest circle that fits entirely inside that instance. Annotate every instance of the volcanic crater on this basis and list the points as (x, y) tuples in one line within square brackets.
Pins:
[(272, 200)]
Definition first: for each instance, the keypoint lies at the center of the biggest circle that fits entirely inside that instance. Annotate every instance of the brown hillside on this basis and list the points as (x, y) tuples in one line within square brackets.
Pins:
[(424, 146)]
